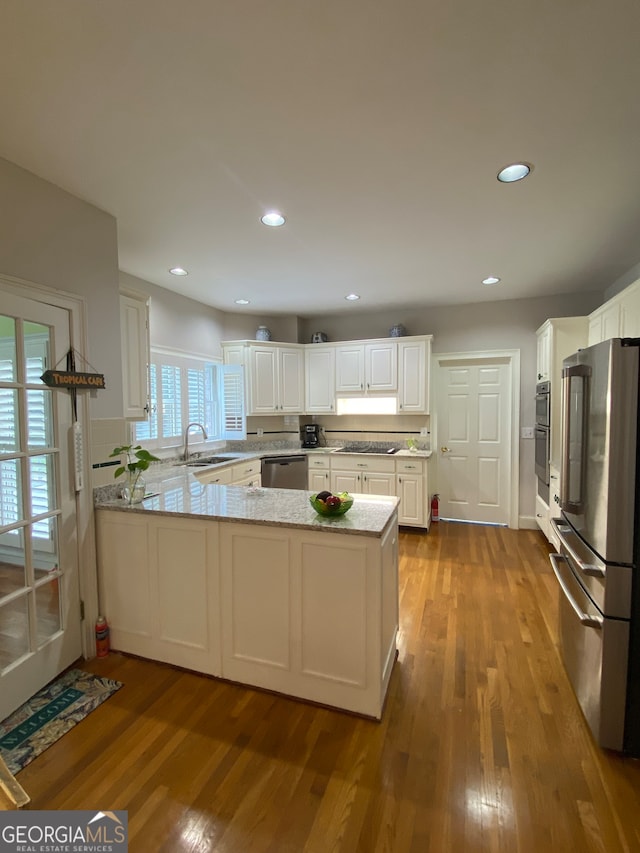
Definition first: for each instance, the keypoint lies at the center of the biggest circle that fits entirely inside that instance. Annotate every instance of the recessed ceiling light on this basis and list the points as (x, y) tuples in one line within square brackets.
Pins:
[(514, 172), (242, 301), (491, 279), (273, 219), (352, 297), (178, 271)]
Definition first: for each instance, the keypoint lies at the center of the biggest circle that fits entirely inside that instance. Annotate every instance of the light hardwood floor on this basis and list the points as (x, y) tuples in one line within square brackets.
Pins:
[(482, 746)]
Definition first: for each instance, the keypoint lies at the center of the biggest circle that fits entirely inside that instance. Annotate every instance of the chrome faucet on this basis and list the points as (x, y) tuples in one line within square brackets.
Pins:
[(186, 437)]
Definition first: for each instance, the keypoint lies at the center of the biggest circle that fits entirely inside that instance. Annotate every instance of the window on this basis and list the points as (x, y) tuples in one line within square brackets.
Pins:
[(186, 389)]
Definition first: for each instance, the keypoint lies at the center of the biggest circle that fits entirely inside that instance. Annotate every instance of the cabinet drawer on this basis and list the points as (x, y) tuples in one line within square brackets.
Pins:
[(321, 461), (360, 462), (241, 470), (221, 476), (409, 466)]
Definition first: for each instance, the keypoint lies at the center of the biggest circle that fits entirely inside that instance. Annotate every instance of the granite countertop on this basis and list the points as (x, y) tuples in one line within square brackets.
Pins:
[(183, 495)]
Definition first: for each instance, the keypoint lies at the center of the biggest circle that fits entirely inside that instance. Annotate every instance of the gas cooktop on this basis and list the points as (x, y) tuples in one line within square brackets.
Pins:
[(367, 447)]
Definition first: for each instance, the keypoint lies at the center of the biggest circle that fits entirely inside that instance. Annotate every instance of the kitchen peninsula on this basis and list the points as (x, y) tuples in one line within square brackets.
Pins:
[(251, 585)]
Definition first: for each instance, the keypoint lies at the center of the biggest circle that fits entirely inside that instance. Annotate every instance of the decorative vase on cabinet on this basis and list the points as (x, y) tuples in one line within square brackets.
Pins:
[(263, 334)]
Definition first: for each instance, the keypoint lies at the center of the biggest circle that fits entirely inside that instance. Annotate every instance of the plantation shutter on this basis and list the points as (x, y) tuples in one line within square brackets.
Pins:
[(8, 444), (231, 381), (171, 401)]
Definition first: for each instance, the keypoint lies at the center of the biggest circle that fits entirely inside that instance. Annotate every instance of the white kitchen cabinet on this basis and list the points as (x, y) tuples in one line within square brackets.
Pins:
[(319, 472), (274, 375), (247, 473), (368, 367), (543, 352), (604, 322), (220, 476), (373, 475), (412, 491), (414, 367), (619, 317), (557, 339), (320, 379), (554, 504), (134, 332), (542, 516)]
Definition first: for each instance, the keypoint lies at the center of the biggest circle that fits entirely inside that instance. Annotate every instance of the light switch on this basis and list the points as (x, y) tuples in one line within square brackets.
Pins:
[(526, 432)]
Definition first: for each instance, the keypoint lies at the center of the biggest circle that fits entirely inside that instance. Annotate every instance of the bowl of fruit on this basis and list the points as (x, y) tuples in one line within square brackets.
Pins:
[(326, 503)]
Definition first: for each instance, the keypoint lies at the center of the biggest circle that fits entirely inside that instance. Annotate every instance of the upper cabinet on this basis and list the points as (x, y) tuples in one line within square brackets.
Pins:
[(274, 376), (307, 378), (414, 358), (134, 330), (366, 367), (320, 379), (556, 340), (619, 317)]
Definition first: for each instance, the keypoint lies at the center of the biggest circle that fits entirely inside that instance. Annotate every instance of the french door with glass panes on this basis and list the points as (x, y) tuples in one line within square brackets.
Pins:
[(39, 599)]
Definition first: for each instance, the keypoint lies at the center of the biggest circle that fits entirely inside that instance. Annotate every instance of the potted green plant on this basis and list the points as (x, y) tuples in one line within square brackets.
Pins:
[(138, 460)]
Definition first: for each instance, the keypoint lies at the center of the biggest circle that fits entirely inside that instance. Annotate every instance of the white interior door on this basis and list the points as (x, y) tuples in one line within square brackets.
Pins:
[(39, 598), (474, 439)]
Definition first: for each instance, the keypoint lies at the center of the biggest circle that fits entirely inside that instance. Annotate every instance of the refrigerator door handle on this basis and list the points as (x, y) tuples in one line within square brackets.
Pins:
[(590, 569), (583, 372), (585, 619)]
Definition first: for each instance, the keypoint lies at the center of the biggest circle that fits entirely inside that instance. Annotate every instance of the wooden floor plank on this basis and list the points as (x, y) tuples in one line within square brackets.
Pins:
[(482, 746)]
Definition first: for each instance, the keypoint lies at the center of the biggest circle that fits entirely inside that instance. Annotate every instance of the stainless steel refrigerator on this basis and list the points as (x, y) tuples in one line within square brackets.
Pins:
[(598, 564)]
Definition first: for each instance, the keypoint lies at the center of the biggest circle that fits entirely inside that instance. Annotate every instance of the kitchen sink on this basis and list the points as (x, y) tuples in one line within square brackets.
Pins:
[(203, 461)]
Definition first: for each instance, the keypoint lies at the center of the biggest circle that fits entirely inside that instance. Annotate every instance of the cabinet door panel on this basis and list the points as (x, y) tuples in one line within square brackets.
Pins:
[(135, 356), (321, 379), (264, 383), (350, 368), (291, 380), (379, 484), (381, 366), (319, 481), (345, 481), (410, 492)]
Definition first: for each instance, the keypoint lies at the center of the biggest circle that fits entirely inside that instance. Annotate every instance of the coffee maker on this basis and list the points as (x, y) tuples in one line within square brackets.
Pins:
[(310, 435)]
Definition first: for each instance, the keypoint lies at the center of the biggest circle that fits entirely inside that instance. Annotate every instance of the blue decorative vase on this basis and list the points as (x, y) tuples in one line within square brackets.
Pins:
[(263, 334), (397, 331)]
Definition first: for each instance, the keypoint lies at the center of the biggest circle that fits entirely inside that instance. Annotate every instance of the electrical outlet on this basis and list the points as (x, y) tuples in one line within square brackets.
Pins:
[(526, 432), (259, 432), (424, 431)]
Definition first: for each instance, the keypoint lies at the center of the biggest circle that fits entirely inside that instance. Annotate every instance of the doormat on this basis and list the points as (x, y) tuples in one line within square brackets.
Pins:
[(48, 715)]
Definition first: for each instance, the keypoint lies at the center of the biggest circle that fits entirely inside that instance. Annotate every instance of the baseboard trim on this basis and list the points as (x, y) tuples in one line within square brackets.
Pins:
[(527, 522)]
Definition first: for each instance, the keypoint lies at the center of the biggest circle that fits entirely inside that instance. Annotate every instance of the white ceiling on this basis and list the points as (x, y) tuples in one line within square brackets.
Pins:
[(377, 128)]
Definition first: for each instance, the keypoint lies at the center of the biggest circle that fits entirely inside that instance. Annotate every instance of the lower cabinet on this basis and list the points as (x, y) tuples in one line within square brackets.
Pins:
[(404, 477), (319, 472), (411, 486), (241, 474), (308, 614)]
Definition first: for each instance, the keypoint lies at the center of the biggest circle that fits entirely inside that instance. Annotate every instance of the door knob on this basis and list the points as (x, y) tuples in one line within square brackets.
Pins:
[(444, 449)]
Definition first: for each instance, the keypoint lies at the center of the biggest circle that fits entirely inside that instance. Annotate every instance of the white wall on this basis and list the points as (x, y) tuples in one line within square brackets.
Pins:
[(51, 238)]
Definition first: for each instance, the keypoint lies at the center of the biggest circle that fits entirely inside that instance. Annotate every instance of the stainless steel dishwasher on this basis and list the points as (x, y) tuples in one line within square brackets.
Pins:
[(284, 472)]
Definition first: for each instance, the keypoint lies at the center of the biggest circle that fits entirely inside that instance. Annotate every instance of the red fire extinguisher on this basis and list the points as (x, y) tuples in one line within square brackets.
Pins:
[(102, 637), (435, 511)]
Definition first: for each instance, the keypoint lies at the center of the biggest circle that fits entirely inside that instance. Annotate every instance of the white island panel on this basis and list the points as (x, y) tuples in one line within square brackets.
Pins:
[(125, 596), (255, 601), (180, 551), (334, 599)]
